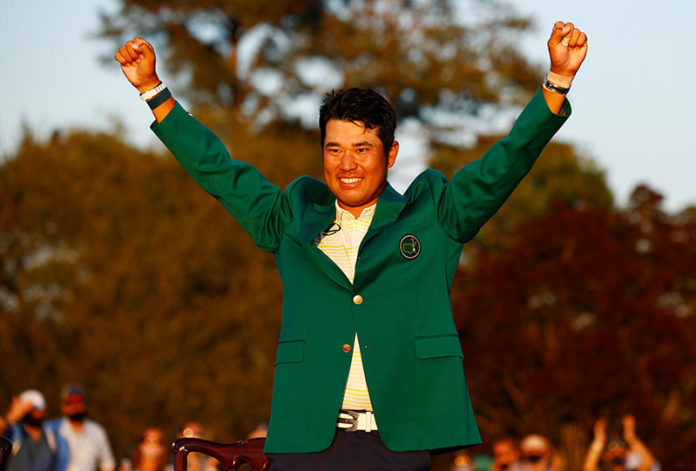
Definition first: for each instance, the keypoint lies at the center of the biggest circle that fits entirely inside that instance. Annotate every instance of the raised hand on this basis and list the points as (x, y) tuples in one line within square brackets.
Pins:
[(567, 48), (18, 409), (137, 59), (628, 423), (600, 430)]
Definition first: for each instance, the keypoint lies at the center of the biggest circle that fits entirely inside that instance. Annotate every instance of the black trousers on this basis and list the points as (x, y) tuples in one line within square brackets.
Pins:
[(360, 451)]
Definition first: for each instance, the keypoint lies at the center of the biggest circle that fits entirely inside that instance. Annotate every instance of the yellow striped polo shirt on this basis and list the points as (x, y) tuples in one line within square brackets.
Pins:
[(341, 243)]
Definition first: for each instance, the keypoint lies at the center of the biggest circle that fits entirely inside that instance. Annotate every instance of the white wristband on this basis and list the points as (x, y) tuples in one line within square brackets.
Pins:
[(562, 81), (152, 92)]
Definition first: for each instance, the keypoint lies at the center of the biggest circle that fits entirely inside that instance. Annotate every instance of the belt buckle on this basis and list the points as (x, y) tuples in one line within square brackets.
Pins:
[(353, 421)]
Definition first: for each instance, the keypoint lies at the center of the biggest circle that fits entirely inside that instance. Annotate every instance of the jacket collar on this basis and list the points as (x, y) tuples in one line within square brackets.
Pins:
[(318, 216), (315, 219), (389, 206)]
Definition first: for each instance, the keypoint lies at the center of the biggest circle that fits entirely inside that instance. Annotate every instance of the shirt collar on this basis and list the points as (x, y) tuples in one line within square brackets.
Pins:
[(366, 214)]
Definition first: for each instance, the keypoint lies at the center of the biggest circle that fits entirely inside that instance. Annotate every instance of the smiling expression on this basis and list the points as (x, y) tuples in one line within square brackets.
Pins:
[(355, 165)]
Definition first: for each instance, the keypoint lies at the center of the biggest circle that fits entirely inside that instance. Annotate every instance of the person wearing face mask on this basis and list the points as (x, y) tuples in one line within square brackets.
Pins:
[(538, 455), (506, 455), (33, 446), (152, 453), (82, 443), (621, 454)]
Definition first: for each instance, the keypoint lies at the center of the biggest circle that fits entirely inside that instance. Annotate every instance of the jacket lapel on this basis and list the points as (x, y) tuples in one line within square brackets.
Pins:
[(315, 219), (389, 206)]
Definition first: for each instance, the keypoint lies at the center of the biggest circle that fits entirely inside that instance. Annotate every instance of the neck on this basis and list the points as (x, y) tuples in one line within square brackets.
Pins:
[(33, 432), (77, 426), (148, 464)]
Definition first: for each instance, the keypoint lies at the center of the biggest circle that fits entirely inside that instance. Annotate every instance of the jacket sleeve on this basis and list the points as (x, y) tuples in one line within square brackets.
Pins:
[(258, 205), (478, 190)]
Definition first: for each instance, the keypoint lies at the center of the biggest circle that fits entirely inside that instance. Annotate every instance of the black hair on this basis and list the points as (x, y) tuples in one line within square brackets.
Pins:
[(359, 105)]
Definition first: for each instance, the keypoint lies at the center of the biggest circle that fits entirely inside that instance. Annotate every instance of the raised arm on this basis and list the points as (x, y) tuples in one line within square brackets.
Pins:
[(259, 206), (18, 409), (476, 191), (628, 422), (137, 59), (591, 461), (567, 50)]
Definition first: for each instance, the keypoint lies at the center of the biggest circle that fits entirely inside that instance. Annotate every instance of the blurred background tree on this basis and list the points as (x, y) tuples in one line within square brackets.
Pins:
[(586, 313), (437, 61), (119, 273)]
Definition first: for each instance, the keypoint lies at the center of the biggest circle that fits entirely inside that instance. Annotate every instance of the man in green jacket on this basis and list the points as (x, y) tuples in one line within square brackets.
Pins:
[(369, 365)]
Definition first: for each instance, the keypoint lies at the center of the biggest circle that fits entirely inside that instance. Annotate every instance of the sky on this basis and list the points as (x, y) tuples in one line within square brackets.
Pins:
[(632, 98)]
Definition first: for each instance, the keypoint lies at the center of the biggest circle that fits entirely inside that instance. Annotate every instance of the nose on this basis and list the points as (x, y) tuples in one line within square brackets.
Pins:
[(347, 161)]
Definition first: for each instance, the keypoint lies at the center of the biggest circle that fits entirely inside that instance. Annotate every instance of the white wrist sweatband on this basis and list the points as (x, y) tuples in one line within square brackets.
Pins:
[(562, 81), (152, 92)]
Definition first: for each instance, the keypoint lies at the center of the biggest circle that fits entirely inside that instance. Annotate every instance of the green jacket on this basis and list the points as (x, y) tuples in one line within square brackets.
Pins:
[(410, 348)]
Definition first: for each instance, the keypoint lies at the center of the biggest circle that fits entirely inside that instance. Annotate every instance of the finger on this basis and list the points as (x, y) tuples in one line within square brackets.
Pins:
[(131, 53), (119, 57), (144, 47), (124, 54), (139, 43), (572, 38), (556, 25), (582, 40), (567, 38), (560, 30)]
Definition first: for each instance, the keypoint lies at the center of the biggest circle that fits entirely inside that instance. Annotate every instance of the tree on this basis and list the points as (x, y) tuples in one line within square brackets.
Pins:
[(435, 60), (118, 272), (560, 174), (587, 312)]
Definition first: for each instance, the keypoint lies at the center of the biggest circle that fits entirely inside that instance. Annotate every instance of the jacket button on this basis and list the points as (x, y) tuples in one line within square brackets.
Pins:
[(346, 348), (357, 299)]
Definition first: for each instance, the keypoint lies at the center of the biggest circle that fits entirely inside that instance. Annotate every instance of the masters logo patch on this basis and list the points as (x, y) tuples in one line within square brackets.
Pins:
[(410, 246)]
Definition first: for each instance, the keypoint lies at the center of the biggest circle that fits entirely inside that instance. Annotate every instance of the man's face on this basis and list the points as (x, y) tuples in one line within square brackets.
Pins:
[(74, 407), (505, 454), (355, 166), (34, 418)]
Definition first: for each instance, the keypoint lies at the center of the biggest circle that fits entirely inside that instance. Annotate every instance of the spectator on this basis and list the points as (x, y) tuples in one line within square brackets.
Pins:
[(462, 462), (629, 454), (506, 455), (538, 455), (260, 431), (33, 447), (196, 461), (82, 443), (152, 453)]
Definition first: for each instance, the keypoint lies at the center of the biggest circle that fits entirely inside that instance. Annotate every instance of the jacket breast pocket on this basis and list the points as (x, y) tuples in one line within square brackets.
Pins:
[(437, 346), (290, 351)]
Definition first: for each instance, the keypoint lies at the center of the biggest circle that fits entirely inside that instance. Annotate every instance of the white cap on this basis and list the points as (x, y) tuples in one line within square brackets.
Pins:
[(35, 397), (534, 443)]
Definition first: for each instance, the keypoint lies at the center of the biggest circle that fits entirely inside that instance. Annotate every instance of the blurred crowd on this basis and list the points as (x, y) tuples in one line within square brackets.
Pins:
[(73, 442), (534, 452), (69, 443)]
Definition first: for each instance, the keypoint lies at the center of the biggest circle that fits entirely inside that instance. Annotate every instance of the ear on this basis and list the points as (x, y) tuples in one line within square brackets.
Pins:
[(391, 157)]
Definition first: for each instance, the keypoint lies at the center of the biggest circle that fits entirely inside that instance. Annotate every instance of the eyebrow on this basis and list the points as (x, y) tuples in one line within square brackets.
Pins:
[(357, 144)]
